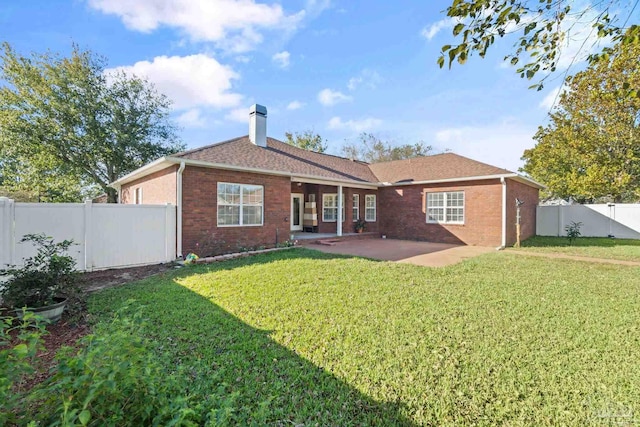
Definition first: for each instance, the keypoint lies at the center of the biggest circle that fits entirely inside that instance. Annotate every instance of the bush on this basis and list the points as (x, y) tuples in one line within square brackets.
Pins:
[(573, 231), (49, 274), (118, 378), (16, 359)]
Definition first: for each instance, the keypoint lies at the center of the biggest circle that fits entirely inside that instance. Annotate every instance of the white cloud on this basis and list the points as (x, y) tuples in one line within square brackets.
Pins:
[(282, 59), (295, 105), (240, 115), (328, 97), (501, 144), (336, 123), (368, 78), (234, 25), (191, 119), (430, 31), (551, 100), (189, 81)]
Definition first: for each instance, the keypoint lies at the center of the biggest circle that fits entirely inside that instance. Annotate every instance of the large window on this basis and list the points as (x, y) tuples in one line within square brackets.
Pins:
[(356, 207), (239, 204), (330, 207), (446, 207), (370, 208)]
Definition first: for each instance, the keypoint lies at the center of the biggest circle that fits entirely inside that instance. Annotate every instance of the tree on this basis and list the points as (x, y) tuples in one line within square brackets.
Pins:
[(541, 26), (66, 124), (307, 140), (372, 149), (591, 147)]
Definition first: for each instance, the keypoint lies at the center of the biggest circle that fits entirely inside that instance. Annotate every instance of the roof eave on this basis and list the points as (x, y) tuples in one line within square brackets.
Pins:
[(513, 176), (143, 171)]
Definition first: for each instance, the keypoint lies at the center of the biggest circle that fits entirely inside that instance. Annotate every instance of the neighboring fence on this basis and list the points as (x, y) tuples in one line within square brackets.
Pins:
[(618, 220), (107, 235)]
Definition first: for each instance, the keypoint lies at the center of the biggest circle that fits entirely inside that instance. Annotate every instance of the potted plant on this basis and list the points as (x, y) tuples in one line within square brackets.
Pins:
[(44, 282), (360, 225)]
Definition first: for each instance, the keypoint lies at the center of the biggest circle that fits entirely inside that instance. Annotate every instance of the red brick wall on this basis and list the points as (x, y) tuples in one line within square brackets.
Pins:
[(402, 211), (157, 188), (529, 195), (199, 212)]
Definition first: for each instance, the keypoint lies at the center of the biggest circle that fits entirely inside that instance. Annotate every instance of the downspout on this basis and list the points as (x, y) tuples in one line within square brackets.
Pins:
[(179, 211), (340, 207), (504, 213)]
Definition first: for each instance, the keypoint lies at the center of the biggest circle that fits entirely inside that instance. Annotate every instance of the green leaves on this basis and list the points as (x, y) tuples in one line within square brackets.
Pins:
[(457, 29), (590, 151), (372, 149), (68, 130), (307, 140), (535, 25)]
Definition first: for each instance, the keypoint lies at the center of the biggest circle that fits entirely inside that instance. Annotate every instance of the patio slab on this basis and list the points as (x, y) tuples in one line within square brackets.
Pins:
[(418, 253)]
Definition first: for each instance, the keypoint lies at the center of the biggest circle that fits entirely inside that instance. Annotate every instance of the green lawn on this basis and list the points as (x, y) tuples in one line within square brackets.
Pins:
[(596, 247), (306, 338)]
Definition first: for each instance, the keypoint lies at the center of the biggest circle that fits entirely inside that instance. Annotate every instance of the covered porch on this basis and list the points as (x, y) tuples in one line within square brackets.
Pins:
[(325, 209)]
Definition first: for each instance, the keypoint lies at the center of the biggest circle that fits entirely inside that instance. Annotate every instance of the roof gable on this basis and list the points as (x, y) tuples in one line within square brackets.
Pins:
[(281, 157)]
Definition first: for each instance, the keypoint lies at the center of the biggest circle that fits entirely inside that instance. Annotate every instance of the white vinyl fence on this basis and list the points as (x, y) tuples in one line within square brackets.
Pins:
[(619, 220), (106, 235)]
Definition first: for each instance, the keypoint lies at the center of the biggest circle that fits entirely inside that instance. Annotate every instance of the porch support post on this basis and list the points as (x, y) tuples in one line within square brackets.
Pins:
[(339, 219)]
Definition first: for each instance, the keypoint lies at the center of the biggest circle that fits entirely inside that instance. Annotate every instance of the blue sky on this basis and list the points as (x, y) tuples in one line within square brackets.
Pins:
[(335, 67)]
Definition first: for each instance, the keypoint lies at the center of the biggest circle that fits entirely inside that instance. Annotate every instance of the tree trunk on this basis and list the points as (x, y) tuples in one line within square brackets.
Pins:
[(112, 195)]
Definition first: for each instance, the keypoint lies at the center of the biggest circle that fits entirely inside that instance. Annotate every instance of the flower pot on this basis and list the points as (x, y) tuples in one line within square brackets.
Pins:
[(50, 312), (358, 230)]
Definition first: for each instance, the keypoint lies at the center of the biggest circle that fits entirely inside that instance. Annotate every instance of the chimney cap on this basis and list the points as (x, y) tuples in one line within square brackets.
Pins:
[(258, 109)]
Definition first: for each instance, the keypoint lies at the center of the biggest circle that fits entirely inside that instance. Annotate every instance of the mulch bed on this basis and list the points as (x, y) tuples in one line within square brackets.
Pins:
[(68, 330)]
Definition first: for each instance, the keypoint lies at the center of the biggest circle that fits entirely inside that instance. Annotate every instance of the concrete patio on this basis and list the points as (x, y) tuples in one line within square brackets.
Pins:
[(418, 253)]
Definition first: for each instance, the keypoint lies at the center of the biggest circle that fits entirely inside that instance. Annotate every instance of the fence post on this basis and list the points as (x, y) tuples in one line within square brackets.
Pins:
[(560, 220), (167, 232), (7, 242), (88, 250)]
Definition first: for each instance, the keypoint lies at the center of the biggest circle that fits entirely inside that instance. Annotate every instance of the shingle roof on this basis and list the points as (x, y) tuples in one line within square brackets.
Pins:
[(281, 157), (432, 168)]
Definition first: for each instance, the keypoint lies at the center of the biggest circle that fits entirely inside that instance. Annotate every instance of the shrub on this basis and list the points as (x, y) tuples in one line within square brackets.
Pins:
[(49, 274), (573, 231), (118, 378), (17, 358)]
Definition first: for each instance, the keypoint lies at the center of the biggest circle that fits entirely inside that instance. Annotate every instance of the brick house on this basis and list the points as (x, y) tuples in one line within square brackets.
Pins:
[(253, 190)]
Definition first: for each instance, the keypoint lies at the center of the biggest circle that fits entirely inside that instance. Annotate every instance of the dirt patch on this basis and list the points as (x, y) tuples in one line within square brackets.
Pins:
[(98, 280), (63, 333), (573, 257)]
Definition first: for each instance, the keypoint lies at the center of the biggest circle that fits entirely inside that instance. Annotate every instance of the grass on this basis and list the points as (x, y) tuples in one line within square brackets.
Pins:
[(595, 247), (307, 338)]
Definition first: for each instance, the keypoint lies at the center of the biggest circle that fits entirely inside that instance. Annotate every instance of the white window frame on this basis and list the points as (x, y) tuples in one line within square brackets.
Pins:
[(368, 208), (241, 205), (355, 207), (137, 196), (334, 196), (445, 207)]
